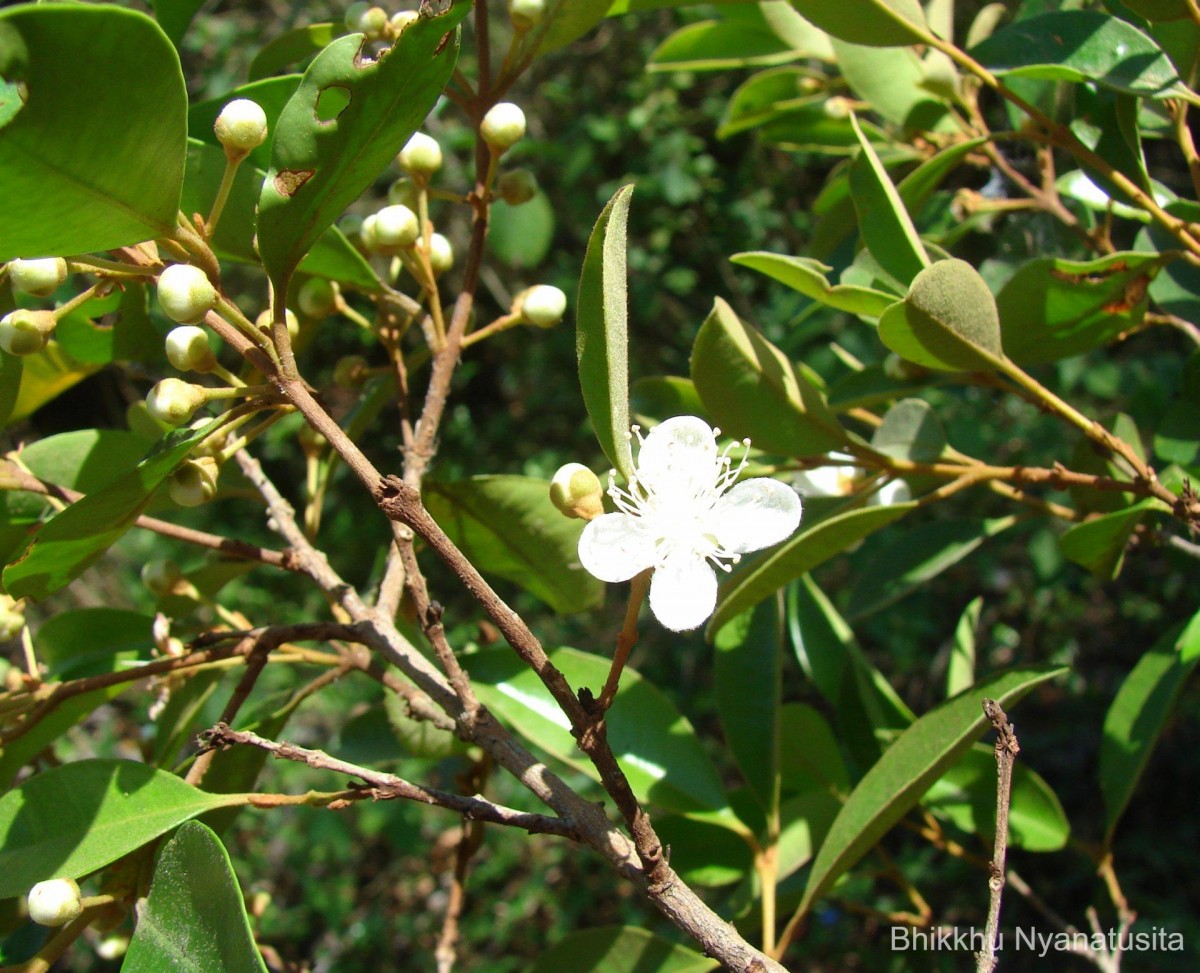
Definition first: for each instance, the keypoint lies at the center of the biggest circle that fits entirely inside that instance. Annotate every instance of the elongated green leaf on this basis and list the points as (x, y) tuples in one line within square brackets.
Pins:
[(620, 949), (717, 45), (762, 97), (194, 919), (751, 389), (910, 430), (602, 333), (920, 755), (521, 235), (705, 854), (807, 276), (659, 397), (174, 16), (1052, 308), (966, 794), (809, 758), (86, 640), (74, 539), (891, 80), (10, 383), (1099, 544), (1135, 720), (900, 563), (879, 23), (74, 819), (319, 167), (960, 670), (271, 95), (748, 678), (884, 223), (1083, 45), (45, 376), (948, 321), (757, 578), (289, 47), (332, 255), (110, 177), (507, 526), (656, 746), (918, 185)]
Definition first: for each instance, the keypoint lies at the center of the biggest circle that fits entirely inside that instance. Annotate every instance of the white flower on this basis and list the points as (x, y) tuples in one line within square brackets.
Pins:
[(682, 514), (826, 481)]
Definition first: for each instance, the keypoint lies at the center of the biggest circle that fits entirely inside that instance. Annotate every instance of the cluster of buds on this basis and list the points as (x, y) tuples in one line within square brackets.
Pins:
[(26, 331)]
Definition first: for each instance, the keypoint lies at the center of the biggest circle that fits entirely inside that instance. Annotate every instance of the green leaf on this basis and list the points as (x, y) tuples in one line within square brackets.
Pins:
[(1159, 9), (507, 526), (1082, 45), (715, 45), (920, 755), (76, 538), (1053, 308), (809, 757), (879, 23), (319, 167), (521, 235), (175, 16), (59, 200), (620, 949), (71, 820), (45, 376), (1139, 713), (752, 390), (271, 95), (10, 383), (966, 794), (194, 919), (748, 680), (602, 333), (807, 276), (884, 223), (1177, 438), (1099, 544), (900, 563), (759, 576), (948, 321), (910, 430), (809, 128), (657, 747), (916, 188), (566, 21), (291, 46), (763, 97), (891, 80), (704, 854), (81, 642), (332, 255), (658, 397), (960, 669)]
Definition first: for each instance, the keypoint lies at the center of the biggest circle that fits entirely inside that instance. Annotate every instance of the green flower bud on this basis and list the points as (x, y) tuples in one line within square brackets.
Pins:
[(526, 13), (195, 482), (403, 192), (160, 576), (185, 293), (41, 277), (56, 902), (421, 155), (542, 305), (396, 229), (263, 322), (517, 186), (24, 332), (317, 297), (12, 619), (241, 126), (366, 234), (188, 349), (576, 491), (441, 253), (173, 401), (503, 126), (402, 19), (364, 18)]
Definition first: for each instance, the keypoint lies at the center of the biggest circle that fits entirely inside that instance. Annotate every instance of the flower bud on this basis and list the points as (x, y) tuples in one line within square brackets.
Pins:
[(402, 19), (12, 619), (350, 372), (542, 305), (25, 332), (517, 186), (40, 277), (263, 322), (441, 253), (576, 491), (241, 126), (317, 298), (396, 229), (56, 902), (173, 401), (366, 233), (188, 349), (421, 155), (195, 482), (362, 17), (526, 13), (403, 192), (113, 946), (503, 126), (160, 576), (185, 293)]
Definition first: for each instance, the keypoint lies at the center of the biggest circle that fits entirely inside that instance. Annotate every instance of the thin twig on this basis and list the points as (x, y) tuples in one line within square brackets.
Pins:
[(1007, 749)]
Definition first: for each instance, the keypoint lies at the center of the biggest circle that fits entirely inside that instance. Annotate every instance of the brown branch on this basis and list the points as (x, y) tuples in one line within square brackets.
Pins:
[(470, 838), (386, 786), (1007, 749)]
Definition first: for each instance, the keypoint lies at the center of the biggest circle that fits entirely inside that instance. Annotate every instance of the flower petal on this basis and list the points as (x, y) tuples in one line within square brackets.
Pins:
[(683, 592), (755, 514), (677, 451), (615, 547)]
